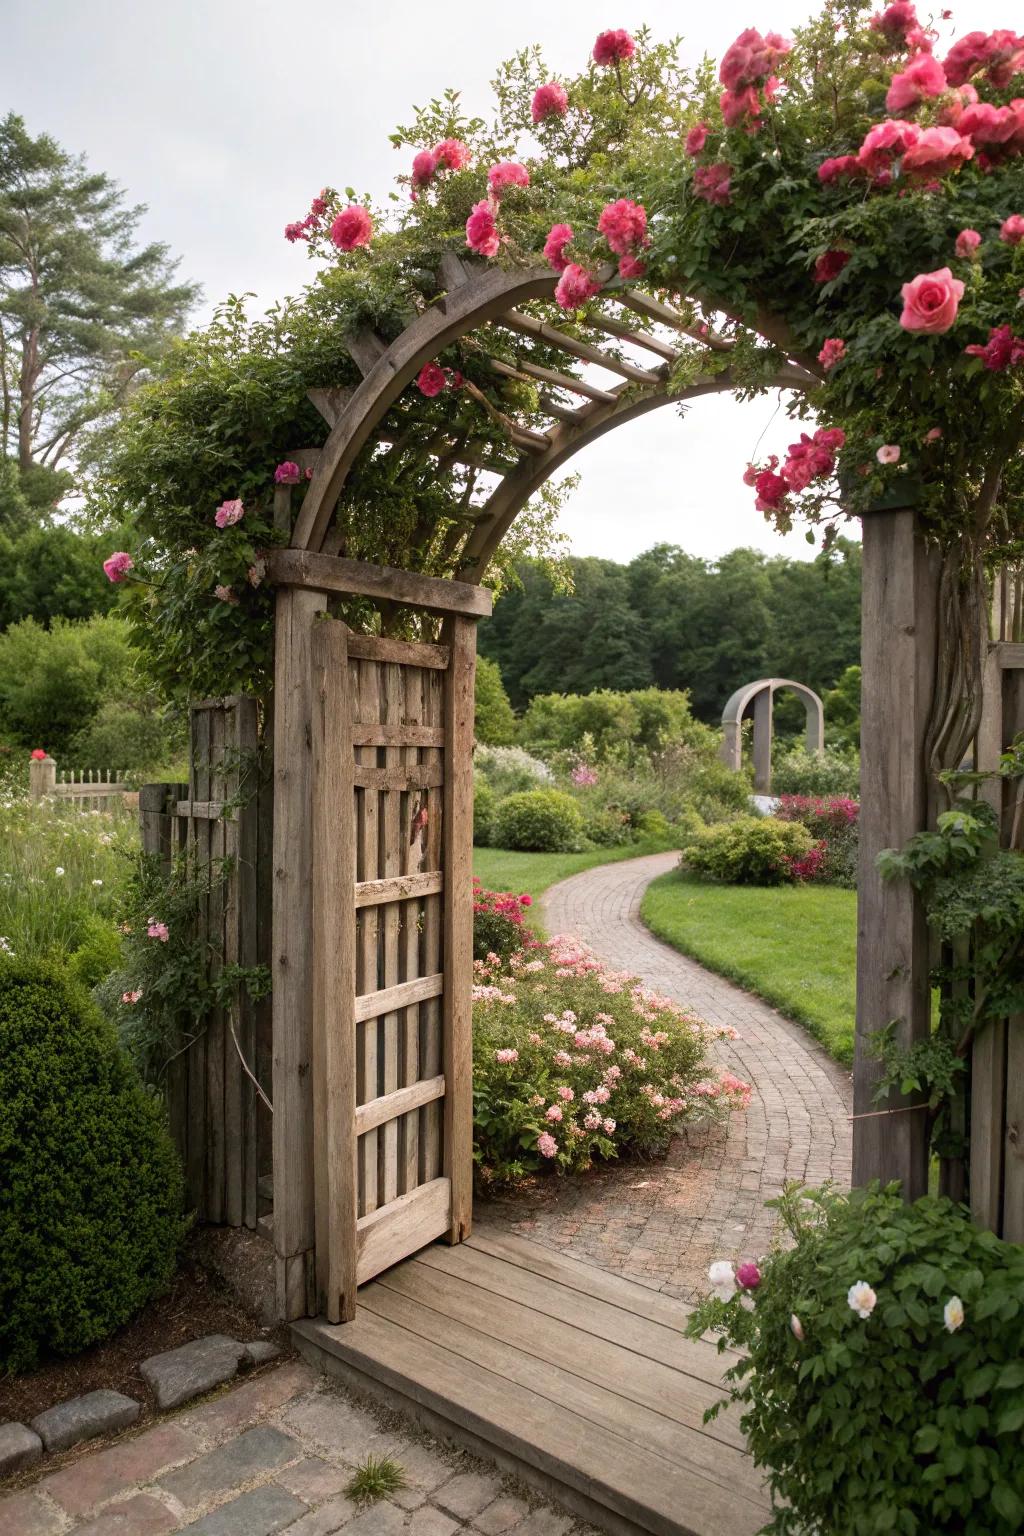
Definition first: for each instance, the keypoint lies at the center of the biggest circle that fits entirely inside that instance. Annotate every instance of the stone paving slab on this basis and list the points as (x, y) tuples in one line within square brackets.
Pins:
[(663, 1223)]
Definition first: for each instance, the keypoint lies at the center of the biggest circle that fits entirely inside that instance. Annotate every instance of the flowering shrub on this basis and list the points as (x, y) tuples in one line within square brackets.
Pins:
[(882, 1380), (752, 850), (799, 772), (832, 823), (539, 820), (508, 769), (498, 925), (572, 1061)]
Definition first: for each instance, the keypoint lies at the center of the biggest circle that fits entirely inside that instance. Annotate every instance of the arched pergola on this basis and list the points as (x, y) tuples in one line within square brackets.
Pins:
[(363, 1177), (762, 695)]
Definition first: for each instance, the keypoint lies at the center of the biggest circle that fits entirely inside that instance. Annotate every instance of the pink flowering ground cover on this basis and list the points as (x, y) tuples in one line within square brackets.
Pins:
[(573, 1062)]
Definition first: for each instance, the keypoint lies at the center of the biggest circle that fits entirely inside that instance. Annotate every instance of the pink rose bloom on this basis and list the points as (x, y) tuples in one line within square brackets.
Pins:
[(624, 225), (829, 265), (575, 286), (930, 302), (482, 230), (508, 174), (1000, 54), (287, 473), (771, 489), (738, 106), (38, 755), (829, 171), (549, 100), (558, 238), (933, 434), (748, 1277), (751, 58), (895, 21), (631, 267), (424, 168), (831, 439), (229, 513), (713, 183), (525, 900), (256, 572), (452, 155), (889, 453), (696, 139), (885, 142), (1012, 230), (431, 380), (295, 231), (157, 930), (967, 242), (611, 47), (117, 565), (923, 77), (937, 151), (352, 227), (832, 352), (1002, 350), (986, 124), (547, 1146)]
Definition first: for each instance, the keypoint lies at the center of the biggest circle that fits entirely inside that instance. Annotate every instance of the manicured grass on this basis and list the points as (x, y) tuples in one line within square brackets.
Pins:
[(793, 945), (501, 869)]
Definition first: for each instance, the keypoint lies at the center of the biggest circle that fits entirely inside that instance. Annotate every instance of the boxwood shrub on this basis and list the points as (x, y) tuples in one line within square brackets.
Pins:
[(538, 821), (752, 850), (91, 1192)]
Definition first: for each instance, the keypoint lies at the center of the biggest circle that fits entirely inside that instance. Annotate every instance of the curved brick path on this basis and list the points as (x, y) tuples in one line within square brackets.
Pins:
[(663, 1223)]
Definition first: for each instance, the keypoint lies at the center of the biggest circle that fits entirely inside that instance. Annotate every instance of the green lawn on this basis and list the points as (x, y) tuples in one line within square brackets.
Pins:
[(794, 945), (500, 869)]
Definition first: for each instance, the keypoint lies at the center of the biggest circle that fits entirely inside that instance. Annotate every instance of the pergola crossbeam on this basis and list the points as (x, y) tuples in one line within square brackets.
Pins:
[(532, 371), (526, 325), (612, 327)]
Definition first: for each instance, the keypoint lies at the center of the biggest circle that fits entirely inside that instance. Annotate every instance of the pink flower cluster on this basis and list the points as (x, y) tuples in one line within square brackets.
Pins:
[(117, 565), (624, 226), (482, 228), (432, 379), (583, 776), (714, 183), (812, 458), (229, 513), (999, 55), (613, 47), (748, 73), (549, 100), (1002, 350), (449, 155)]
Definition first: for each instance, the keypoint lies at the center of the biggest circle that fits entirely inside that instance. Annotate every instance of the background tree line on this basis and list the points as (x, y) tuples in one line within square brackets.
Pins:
[(674, 620)]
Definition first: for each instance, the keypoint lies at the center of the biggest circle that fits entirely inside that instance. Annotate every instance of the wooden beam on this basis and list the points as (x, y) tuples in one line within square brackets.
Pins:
[(365, 349), (371, 893), (372, 1005), (398, 736), (457, 1007), (599, 321), (333, 573), (1010, 654), (397, 1229), (407, 653), (411, 776), (330, 402), (402, 1102), (898, 621), (531, 371), (526, 325)]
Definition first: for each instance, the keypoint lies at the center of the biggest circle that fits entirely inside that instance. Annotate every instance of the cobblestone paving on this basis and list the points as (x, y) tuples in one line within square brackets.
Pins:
[(663, 1223), (274, 1454)]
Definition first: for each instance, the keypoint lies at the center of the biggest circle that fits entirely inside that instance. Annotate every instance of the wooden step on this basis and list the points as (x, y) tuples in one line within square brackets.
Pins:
[(577, 1380)]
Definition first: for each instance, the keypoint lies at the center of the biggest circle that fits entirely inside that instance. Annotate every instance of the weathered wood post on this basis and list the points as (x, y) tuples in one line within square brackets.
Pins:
[(898, 657), (42, 777)]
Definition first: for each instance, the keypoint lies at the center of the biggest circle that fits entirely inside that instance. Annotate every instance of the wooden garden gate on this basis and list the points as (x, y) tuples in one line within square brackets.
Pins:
[(375, 950)]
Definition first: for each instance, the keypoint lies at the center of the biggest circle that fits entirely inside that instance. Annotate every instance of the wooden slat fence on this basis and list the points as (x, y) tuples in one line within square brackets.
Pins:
[(221, 822), (87, 789)]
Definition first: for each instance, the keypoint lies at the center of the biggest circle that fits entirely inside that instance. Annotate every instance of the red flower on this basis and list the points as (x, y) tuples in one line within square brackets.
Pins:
[(829, 265), (832, 353), (713, 182), (696, 139), (624, 225), (352, 227), (575, 286), (1002, 350), (39, 755), (613, 46), (431, 380)]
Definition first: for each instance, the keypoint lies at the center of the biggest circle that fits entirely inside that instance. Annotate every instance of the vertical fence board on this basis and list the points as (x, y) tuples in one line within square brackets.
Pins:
[(430, 1011), (367, 811), (215, 1079), (411, 913), (199, 851), (391, 864)]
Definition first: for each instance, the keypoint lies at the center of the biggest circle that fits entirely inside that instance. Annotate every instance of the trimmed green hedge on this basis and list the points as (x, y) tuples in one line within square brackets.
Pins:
[(91, 1191)]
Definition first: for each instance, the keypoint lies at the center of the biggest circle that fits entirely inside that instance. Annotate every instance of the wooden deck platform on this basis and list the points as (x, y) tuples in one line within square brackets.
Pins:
[(577, 1380)]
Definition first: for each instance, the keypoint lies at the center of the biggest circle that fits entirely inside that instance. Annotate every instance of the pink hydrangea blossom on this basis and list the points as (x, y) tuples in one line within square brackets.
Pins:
[(452, 155), (431, 380), (1012, 229), (547, 1146), (482, 229), (931, 301), (612, 47), (287, 473), (549, 100), (117, 565), (832, 352), (157, 930), (353, 227), (624, 225), (889, 453), (566, 1094), (967, 242), (829, 265), (609, 1126), (696, 139), (553, 1112), (508, 173), (575, 286), (592, 1120), (559, 236), (229, 513), (713, 183), (923, 78)]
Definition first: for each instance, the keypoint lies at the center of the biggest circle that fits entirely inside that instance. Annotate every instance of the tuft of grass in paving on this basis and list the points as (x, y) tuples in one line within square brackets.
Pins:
[(795, 946), (374, 1479), (503, 869)]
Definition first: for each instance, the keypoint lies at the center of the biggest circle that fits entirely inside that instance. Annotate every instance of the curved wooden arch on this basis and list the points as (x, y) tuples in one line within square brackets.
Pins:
[(472, 299), (762, 695)]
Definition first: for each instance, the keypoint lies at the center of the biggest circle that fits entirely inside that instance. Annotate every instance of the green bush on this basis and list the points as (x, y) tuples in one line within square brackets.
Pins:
[(98, 952), (610, 828), (485, 803), (90, 1199), (494, 721), (631, 724), (752, 850), (539, 821), (653, 825), (799, 772), (53, 681), (509, 769), (905, 1415), (129, 735)]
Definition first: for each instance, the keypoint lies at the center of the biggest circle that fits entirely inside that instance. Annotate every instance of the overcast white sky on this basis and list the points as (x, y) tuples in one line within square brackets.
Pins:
[(227, 116)]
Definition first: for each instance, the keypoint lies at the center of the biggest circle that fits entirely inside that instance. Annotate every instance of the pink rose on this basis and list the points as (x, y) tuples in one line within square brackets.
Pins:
[(229, 513), (482, 230), (933, 434), (624, 225), (885, 142), (829, 265), (613, 46), (889, 453), (696, 139), (830, 171), (575, 286), (832, 352), (936, 151), (287, 473), (38, 755), (117, 565), (424, 169), (508, 174), (930, 302), (923, 77), (1012, 230), (967, 242), (748, 1276), (713, 183), (549, 100), (452, 155), (352, 227), (631, 267), (431, 380), (559, 236)]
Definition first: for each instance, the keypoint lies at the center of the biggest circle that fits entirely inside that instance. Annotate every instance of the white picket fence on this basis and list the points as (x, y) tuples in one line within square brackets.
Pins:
[(87, 789)]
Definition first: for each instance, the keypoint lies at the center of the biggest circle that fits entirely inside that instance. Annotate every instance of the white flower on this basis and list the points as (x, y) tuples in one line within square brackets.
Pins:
[(59, 870), (796, 1326), (953, 1314), (97, 882), (5, 946), (861, 1299), (723, 1279)]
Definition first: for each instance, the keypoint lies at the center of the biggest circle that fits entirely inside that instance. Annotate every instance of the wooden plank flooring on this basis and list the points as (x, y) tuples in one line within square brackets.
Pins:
[(581, 1378)]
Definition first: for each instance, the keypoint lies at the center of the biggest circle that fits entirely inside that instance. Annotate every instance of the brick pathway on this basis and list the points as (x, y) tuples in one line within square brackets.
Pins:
[(274, 1454), (663, 1223)]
